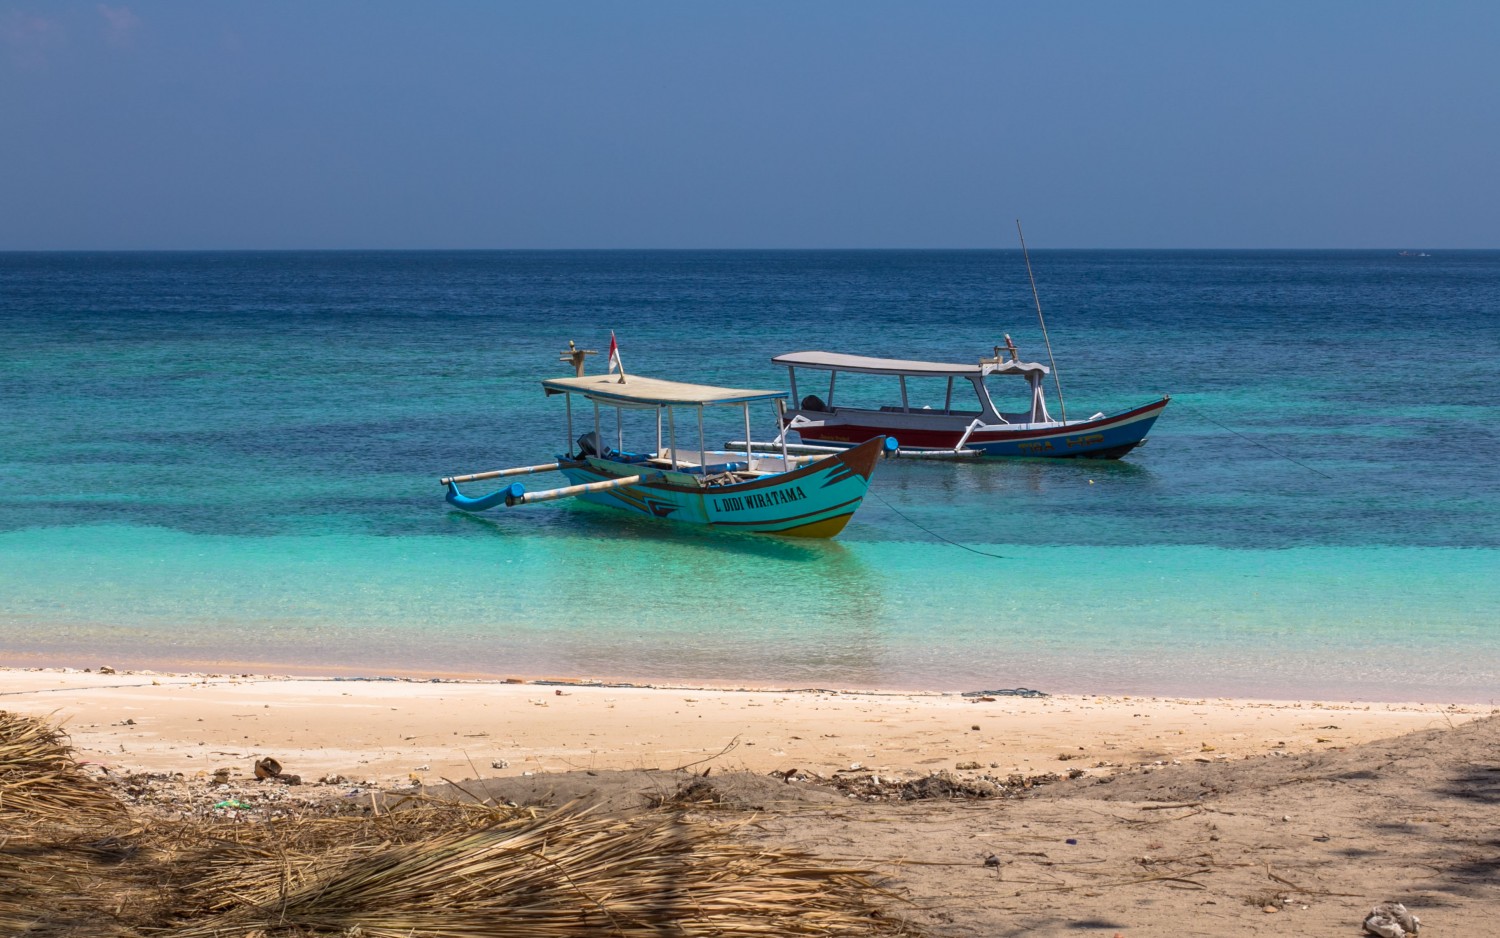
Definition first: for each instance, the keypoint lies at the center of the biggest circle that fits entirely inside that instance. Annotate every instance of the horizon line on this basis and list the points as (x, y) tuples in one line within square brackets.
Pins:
[(412, 250)]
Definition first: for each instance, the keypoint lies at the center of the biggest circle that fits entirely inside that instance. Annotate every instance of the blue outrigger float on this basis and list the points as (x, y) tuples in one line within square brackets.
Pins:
[(763, 493)]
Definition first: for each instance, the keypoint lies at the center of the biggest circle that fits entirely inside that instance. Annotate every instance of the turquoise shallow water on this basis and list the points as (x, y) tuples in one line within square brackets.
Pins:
[(231, 459), (1350, 623)]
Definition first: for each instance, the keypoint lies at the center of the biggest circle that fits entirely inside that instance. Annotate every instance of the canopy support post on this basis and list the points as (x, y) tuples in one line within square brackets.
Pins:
[(672, 435), (792, 373), (905, 407), (568, 399), (948, 401), (702, 445), (786, 462), (619, 429), (749, 454), (598, 437)]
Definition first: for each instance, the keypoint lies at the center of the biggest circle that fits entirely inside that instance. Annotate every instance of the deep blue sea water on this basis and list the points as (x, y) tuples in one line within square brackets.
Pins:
[(229, 460)]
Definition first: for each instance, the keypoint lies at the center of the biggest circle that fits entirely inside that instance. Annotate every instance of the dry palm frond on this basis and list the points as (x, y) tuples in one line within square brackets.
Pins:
[(422, 869), (565, 874), (56, 827), (40, 779)]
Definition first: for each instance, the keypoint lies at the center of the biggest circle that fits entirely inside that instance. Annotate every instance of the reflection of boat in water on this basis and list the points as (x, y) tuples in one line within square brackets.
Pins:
[(791, 495), (939, 426)]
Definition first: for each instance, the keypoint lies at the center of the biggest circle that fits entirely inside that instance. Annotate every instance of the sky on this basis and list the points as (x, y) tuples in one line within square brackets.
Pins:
[(765, 124)]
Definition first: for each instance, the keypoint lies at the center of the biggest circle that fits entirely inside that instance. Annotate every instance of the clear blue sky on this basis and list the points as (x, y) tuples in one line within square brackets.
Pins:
[(703, 124)]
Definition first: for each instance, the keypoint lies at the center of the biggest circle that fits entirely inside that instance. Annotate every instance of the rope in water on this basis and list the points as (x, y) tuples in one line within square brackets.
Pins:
[(922, 527), (1249, 439)]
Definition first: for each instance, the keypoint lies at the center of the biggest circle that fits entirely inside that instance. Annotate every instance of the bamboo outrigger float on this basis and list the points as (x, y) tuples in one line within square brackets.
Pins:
[(744, 490)]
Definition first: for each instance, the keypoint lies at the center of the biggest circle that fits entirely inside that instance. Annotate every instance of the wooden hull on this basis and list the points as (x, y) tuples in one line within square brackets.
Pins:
[(1102, 438), (816, 500)]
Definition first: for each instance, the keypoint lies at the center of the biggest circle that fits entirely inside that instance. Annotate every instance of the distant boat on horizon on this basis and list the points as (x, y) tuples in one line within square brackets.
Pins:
[(1413, 254)]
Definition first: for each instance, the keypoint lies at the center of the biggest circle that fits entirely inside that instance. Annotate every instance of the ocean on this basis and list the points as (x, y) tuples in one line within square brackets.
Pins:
[(228, 461)]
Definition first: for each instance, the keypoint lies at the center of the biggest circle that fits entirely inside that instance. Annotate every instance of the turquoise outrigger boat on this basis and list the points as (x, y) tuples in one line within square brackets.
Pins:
[(758, 492)]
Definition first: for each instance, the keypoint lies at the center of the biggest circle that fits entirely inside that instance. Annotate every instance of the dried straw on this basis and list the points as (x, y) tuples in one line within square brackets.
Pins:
[(426, 869), (567, 873), (41, 781), (56, 825)]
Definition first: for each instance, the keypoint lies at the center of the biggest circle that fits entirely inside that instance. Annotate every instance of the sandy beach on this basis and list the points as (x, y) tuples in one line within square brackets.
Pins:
[(1196, 816), (388, 731)]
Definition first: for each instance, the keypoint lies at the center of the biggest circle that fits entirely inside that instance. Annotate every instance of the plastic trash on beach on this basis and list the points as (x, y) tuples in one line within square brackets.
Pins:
[(1391, 920)]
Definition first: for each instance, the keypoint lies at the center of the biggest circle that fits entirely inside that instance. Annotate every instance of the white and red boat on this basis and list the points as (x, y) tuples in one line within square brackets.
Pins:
[(954, 417)]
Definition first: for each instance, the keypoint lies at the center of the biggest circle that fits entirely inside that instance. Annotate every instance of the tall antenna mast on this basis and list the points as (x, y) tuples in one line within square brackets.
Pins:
[(1035, 296)]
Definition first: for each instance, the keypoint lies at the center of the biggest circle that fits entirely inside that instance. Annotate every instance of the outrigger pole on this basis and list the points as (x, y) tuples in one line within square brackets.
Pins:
[(1056, 379), (515, 494), (498, 473)]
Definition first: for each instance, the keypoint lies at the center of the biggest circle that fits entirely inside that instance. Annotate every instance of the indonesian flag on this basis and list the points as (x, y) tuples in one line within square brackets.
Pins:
[(614, 356)]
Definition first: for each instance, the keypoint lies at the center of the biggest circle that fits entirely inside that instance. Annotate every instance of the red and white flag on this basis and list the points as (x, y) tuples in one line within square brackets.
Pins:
[(614, 355)]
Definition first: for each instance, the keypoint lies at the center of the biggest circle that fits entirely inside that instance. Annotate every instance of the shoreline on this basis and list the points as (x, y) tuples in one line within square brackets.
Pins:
[(12, 661), (400, 730)]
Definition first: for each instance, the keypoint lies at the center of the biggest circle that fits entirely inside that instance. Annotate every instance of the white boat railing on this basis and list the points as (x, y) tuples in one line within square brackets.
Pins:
[(796, 423), (975, 424), (812, 451)]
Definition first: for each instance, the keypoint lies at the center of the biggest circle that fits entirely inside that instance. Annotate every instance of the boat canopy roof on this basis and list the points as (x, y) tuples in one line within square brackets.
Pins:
[(835, 361), (653, 392)]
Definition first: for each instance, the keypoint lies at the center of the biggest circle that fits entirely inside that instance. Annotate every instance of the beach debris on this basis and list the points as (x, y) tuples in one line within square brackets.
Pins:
[(992, 861), (695, 791), (1391, 920), (267, 768), (968, 766), (499, 764), (948, 785), (1071, 841), (1006, 692)]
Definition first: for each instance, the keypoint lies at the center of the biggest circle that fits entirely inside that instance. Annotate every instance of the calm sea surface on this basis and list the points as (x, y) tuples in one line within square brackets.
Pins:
[(231, 459)]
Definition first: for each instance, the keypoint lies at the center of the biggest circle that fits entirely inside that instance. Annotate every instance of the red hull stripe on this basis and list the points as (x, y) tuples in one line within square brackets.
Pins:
[(946, 439)]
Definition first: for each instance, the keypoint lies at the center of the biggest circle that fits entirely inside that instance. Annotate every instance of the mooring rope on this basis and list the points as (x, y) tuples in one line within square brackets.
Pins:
[(1249, 439), (922, 527)]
